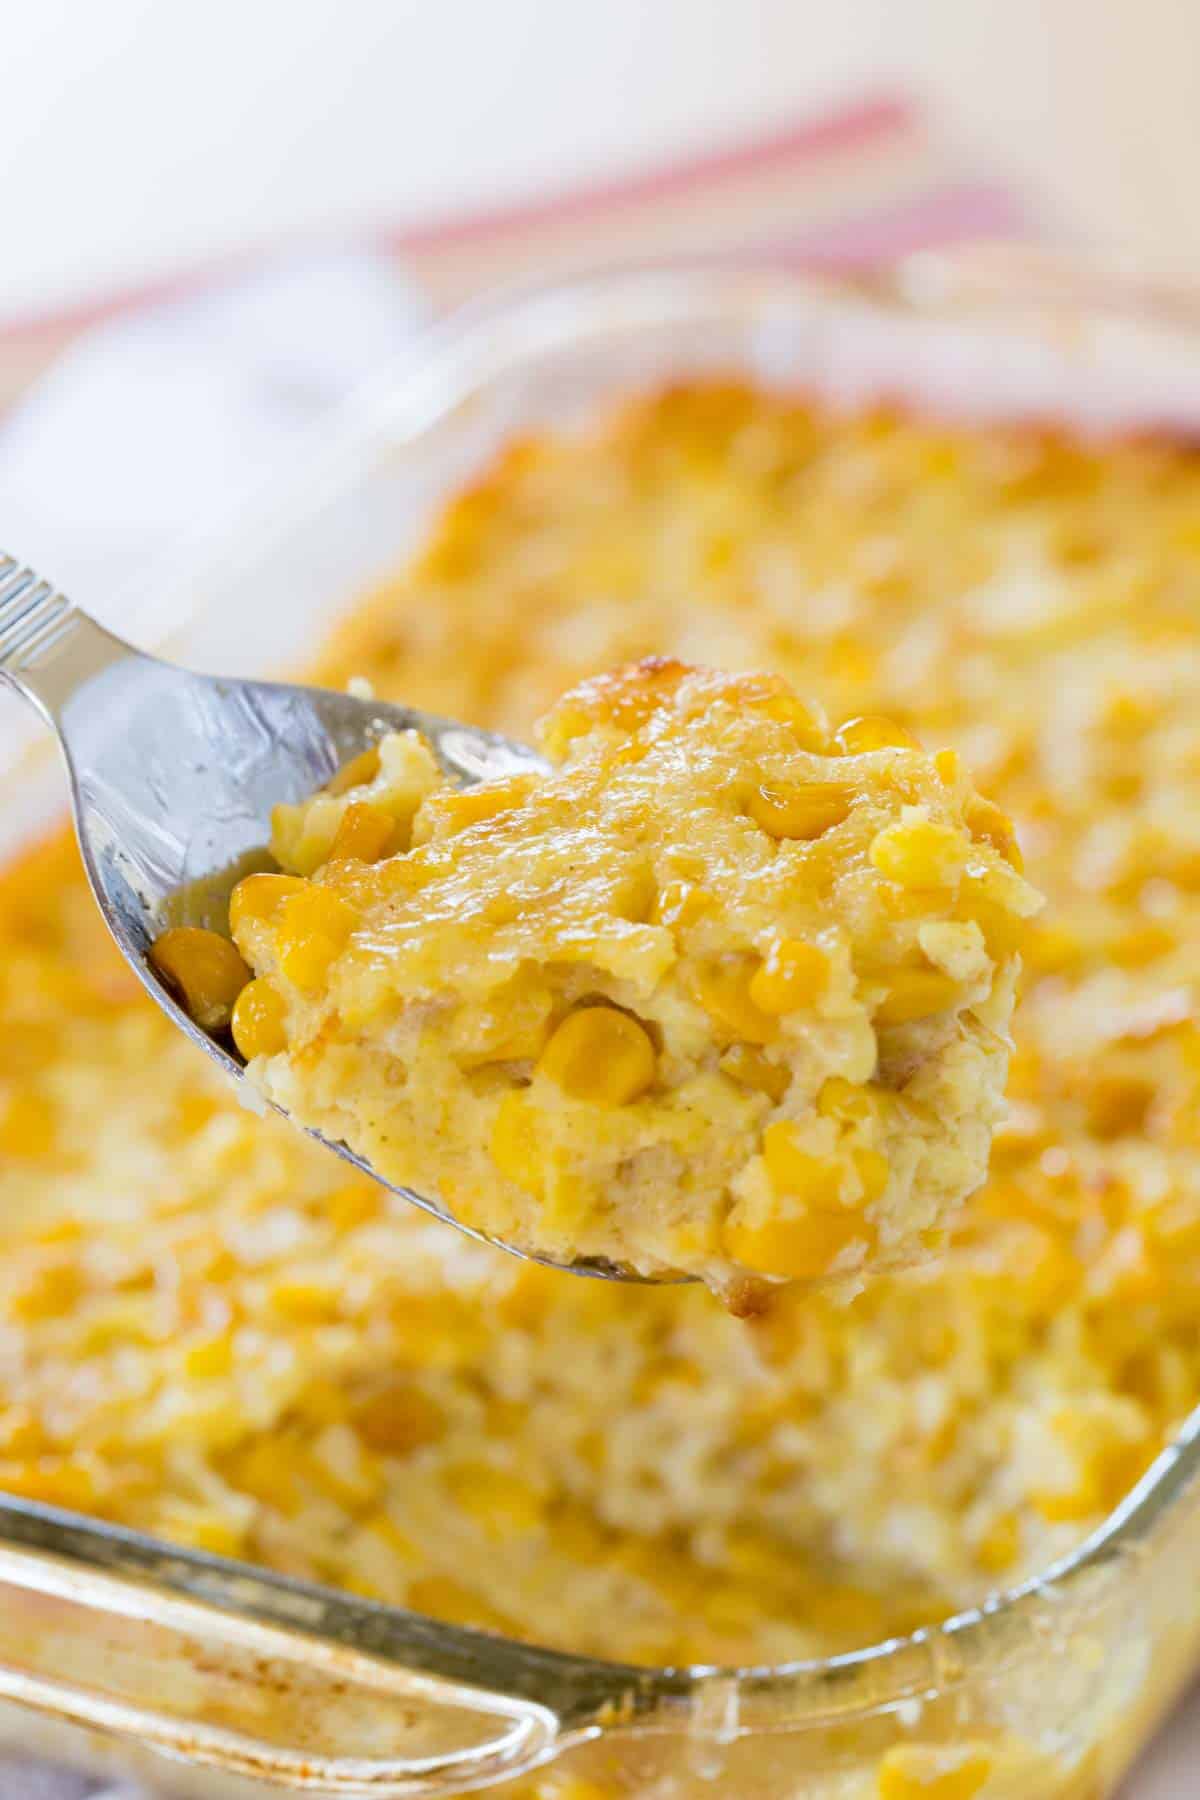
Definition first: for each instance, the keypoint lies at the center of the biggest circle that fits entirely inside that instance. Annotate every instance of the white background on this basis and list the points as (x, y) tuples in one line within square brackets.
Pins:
[(140, 135), (136, 134)]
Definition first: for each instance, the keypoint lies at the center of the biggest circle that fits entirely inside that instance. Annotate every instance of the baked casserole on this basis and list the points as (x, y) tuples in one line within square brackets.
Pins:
[(209, 1334)]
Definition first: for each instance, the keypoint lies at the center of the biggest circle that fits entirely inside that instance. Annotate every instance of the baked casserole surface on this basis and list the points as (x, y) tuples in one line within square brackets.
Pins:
[(208, 1332)]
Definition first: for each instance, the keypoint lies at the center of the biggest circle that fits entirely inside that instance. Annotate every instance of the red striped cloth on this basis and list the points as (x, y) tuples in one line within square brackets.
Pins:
[(861, 185)]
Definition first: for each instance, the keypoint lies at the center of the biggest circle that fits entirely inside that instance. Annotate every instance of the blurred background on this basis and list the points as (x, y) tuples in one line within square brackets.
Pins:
[(142, 135)]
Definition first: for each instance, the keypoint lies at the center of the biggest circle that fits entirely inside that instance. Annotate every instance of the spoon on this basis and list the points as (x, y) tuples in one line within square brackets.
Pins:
[(173, 776)]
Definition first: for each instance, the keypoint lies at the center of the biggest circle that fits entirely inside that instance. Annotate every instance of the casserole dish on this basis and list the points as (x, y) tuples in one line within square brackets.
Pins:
[(121, 1650)]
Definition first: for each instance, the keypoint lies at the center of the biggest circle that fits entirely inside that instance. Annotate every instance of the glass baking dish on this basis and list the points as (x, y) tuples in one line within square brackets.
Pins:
[(119, 1652)]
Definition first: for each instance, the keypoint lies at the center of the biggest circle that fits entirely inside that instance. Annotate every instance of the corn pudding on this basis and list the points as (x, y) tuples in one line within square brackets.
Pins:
[(724, 992), (209, 1333)]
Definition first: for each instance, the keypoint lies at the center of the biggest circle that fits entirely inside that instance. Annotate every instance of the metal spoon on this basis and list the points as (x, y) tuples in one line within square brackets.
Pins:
[(173, 776)]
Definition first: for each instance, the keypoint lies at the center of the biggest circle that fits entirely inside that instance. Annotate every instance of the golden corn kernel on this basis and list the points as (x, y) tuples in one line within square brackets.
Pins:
[(260, 897), (814, 1180), (873, 1170), (802, 811), (916, 994), (207, 1357), (204, 971), (681, 903), (1051, 948), (1143, 943), (217, 1535), (454, 810), (948, 764), (21, 1432), (988, 825), (793, 975), (28, 1126), (352, 1206), (54, 1480), (398, 1420), (1003, 932), (999, 1547), (313, 930), (844, 1101), (365, 832), (803, 1247), (356, 773), (499, 1500), (754, 1070), (304, 1302), (807, 724), (601, 1055), (1066, 1506), (933, 1772), (514, 1145), (259, 1020), (722, 988), (48, 1291), (872, 732), (920, 855)]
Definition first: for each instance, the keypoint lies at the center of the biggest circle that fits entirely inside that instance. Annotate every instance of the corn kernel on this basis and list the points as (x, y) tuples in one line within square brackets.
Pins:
[(916, 994), (499, 1500), (259, 897), (815, 1180), (1003, 932), (722, 988), (933, 1772), (681, 903), (454, 810), (204, 971), (844, 1101), (802, 1248), (27, 1125), (999, 1547), (601, 1055), (356, 773), (313, 930), (304, 1302), (398, 1420), (873, 1170), (365, 832), (1066, 1506), (207, 1357), (1051, 948), (793, 975), (352, 1206), (987, 824), (919, 855), (49, 1291), (948, 764), (259, 1020), (752, 1069), (872, 732), (514, 1144), (801, 811), (808, 725), (54, 1480)]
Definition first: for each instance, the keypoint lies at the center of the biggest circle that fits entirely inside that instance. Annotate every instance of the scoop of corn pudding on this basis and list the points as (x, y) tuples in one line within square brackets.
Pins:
[(725, 993)]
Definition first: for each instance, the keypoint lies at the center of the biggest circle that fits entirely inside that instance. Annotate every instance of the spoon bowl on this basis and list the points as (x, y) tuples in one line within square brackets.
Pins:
[(173, 776)]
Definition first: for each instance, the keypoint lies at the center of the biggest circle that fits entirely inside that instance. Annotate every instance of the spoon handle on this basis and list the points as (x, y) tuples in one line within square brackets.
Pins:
[(48, 648)]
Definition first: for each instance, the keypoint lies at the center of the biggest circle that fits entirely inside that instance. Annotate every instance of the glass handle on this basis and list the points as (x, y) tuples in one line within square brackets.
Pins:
[(314, 1697)]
